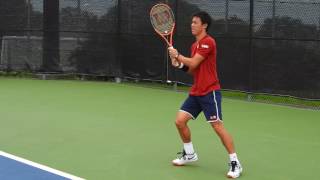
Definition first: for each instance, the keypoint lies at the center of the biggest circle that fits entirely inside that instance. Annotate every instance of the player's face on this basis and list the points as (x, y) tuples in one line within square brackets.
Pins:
[(197, 27)]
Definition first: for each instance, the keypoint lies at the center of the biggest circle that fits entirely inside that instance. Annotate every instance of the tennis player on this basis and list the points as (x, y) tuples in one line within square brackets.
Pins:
[(204, 94)]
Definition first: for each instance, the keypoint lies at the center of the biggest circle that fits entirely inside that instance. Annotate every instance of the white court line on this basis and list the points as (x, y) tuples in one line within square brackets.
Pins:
[(40, 166)]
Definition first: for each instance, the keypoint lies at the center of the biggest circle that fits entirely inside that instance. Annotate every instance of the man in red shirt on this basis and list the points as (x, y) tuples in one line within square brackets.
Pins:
[(204, 95)]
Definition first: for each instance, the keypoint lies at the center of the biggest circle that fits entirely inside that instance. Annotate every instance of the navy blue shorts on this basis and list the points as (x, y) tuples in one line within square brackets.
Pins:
[(210, 104)]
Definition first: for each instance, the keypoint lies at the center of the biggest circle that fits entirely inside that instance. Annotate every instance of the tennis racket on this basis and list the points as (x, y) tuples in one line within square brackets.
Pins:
[(163, 22)]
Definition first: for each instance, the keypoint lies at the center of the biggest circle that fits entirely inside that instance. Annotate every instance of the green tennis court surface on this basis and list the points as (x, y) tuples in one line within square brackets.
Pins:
[(99, 130)]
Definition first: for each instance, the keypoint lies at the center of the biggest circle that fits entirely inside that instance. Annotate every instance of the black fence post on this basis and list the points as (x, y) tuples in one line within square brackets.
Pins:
[(251, 53), (1, 60), (165, 73), (175, 81), (51, 36), (118, 43)]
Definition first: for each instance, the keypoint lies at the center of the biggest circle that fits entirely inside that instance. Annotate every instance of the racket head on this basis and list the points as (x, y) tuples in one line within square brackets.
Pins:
[(162, 19)]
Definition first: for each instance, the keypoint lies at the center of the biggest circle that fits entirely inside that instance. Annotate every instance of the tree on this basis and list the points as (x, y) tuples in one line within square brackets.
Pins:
[(287, 27), (12, 15)]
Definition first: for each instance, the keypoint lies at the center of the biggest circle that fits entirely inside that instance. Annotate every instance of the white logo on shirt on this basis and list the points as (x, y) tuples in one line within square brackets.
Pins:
[(205, 46)]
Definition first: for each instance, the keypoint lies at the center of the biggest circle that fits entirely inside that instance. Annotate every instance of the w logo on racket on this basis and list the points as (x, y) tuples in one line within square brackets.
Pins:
[(162, 17)]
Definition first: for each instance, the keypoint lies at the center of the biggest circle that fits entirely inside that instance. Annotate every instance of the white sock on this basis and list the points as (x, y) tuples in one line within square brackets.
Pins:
[(233, 157), (188, 147)]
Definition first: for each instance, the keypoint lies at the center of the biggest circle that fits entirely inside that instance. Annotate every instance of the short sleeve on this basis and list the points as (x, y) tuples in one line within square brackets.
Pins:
[(205, 47)]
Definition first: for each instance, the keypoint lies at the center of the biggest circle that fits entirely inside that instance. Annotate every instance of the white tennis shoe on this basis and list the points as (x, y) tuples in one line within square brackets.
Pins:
[(185, 158), (235, 170)]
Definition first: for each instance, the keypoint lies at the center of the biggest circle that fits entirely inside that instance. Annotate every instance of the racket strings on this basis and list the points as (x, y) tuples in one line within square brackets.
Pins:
[(162, 19)]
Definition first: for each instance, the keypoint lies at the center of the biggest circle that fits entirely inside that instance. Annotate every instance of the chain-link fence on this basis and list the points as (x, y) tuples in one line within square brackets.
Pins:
[(264, 46)]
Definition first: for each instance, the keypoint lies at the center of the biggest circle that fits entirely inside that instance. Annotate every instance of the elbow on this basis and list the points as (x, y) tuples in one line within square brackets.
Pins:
[(191, 69), (192, 66)]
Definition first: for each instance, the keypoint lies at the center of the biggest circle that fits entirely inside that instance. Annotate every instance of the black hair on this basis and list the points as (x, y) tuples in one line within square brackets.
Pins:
[(204, 17)]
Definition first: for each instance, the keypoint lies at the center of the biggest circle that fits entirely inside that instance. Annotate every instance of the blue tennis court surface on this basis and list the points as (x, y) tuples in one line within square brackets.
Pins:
[(16, 168)]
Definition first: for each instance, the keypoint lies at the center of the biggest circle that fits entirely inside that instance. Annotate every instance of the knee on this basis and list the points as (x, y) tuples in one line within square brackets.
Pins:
[(180, 124), (217, 126)]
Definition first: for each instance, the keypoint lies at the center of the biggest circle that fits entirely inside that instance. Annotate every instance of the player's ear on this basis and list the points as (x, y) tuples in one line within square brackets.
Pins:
[(205, 26)]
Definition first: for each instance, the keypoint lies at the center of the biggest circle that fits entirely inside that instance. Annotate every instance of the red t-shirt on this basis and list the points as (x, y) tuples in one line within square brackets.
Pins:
[(205, 77)]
